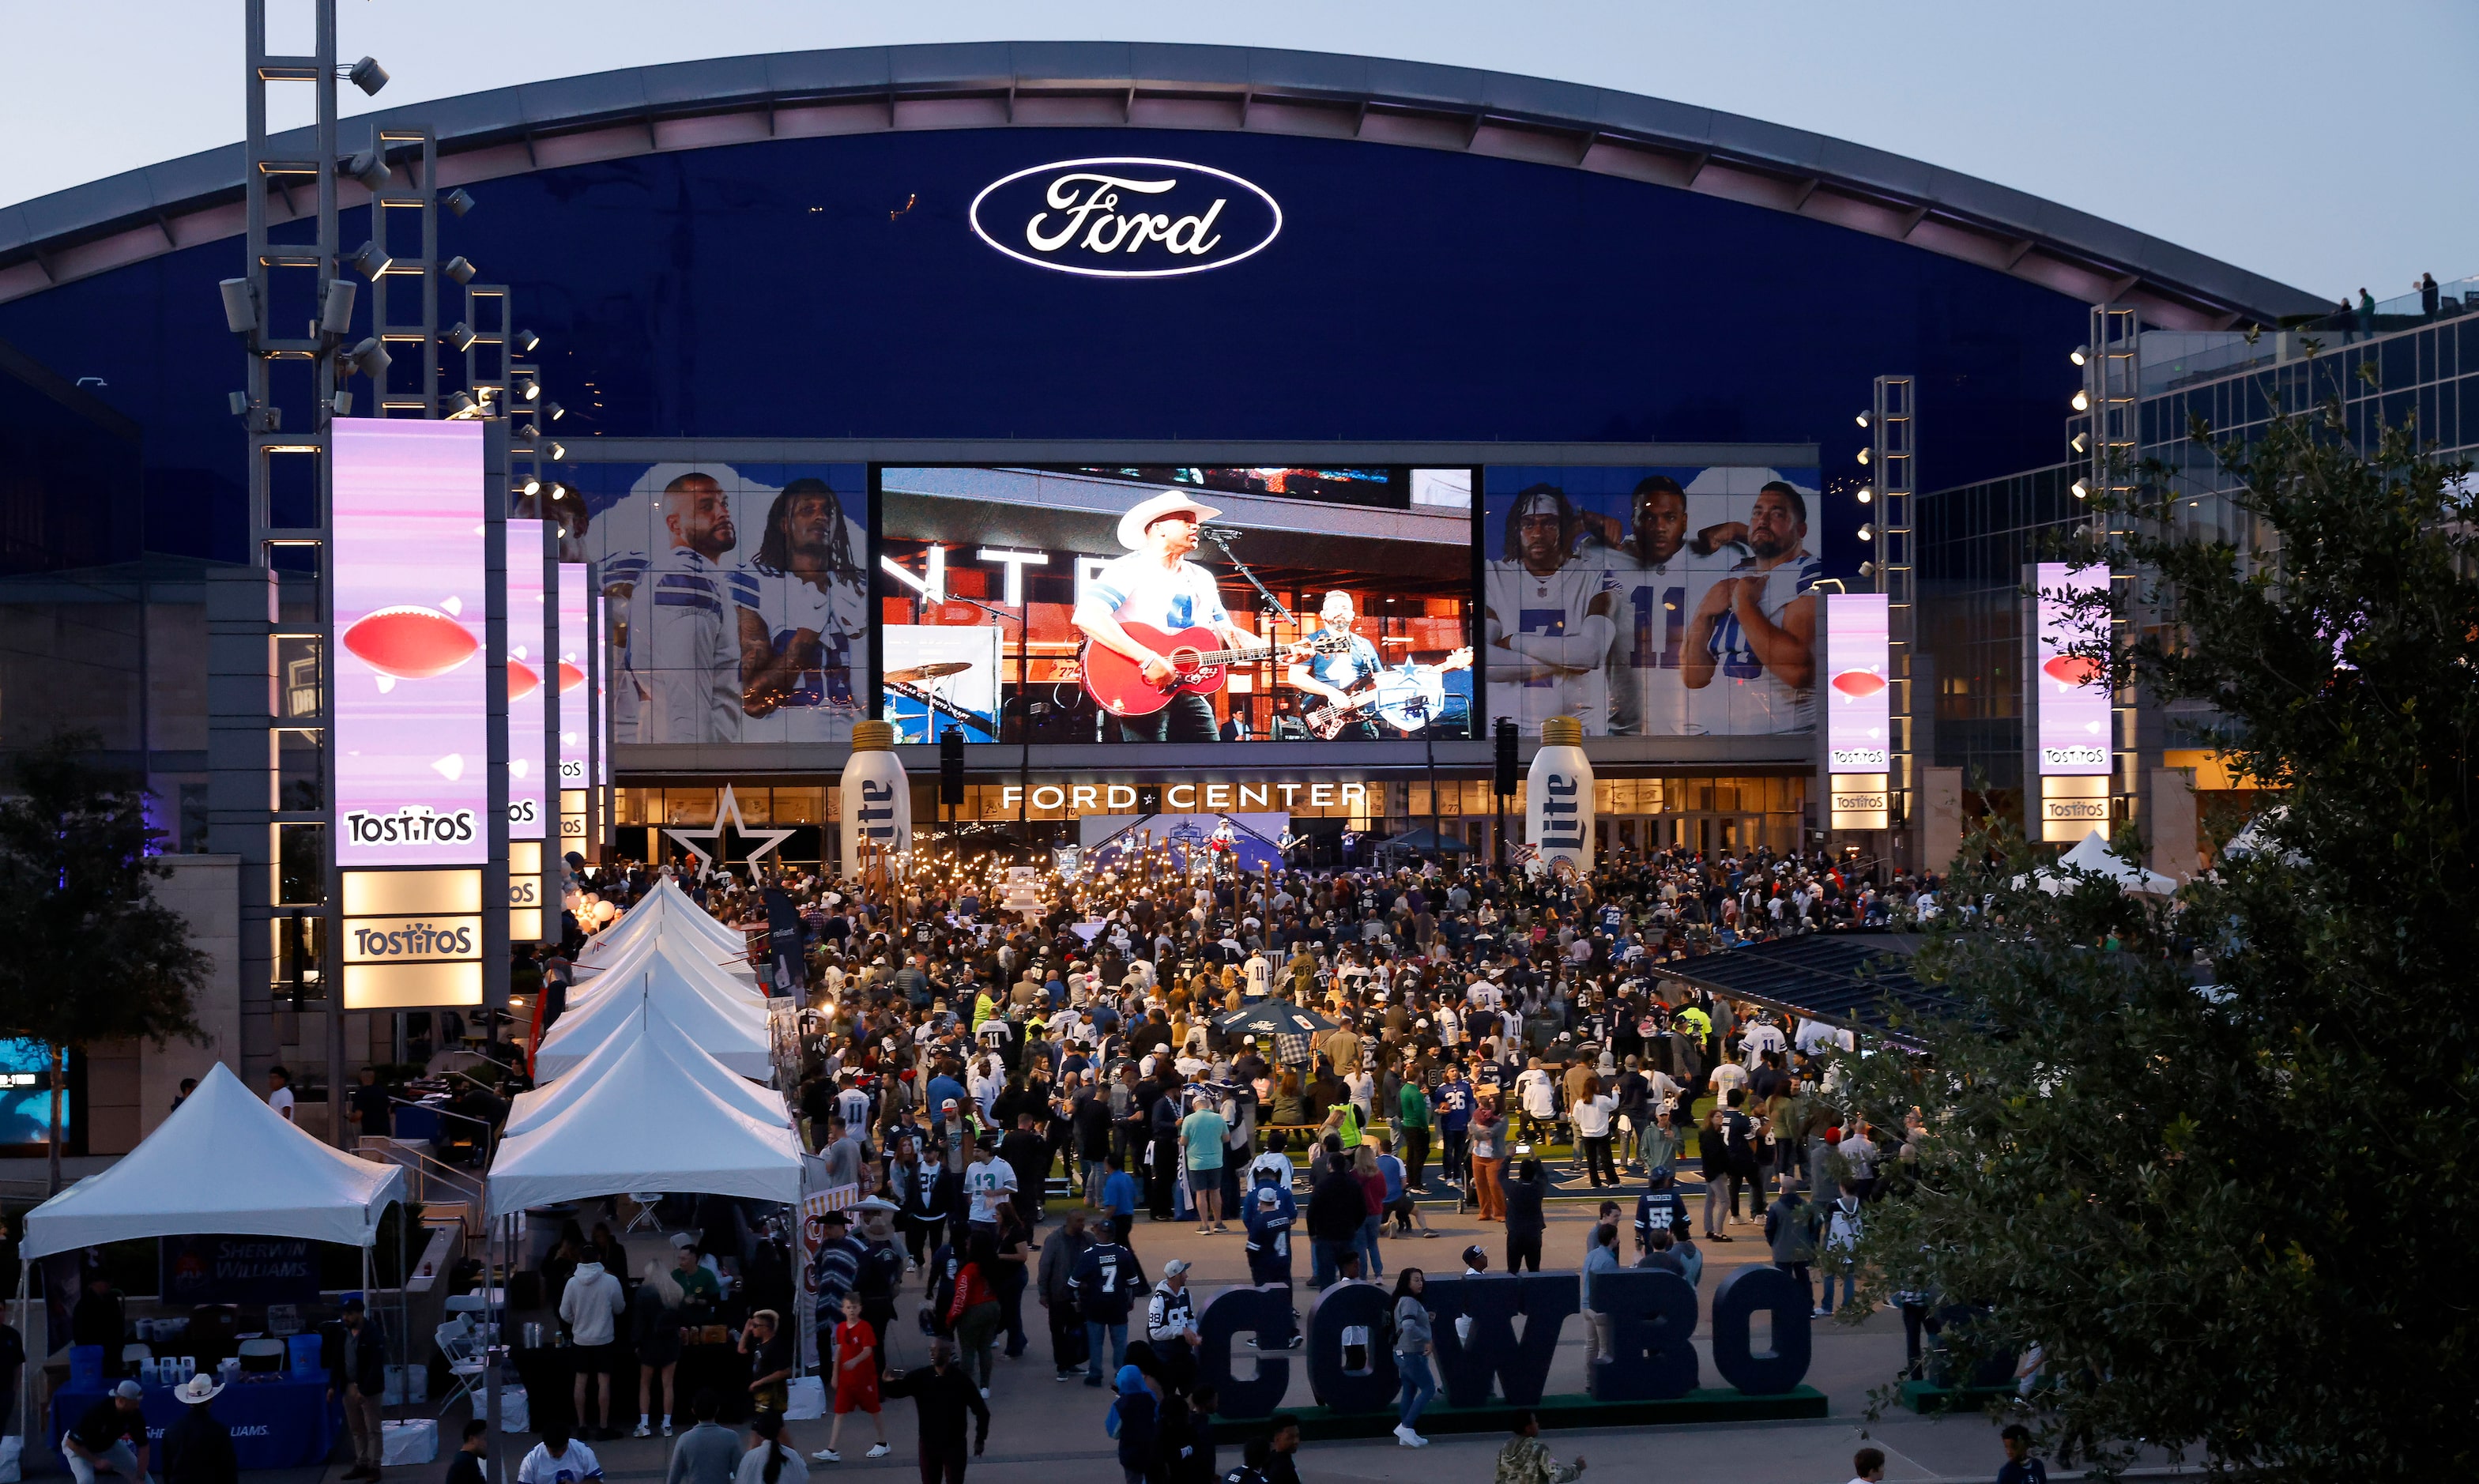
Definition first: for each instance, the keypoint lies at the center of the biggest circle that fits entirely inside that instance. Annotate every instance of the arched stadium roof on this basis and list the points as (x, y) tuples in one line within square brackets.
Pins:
[(129, 218)]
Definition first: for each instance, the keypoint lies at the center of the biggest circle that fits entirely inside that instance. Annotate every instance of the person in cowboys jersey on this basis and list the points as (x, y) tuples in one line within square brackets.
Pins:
[(679, 643), (796, 641), (1549, 616), (1333, 677), (1754, 632), (1657, 575)]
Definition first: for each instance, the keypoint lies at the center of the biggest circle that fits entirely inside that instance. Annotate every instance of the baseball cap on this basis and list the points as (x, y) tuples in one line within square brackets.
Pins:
[(1267, 1195), (1476, 1255), (1174, 1268), (129, 1391)]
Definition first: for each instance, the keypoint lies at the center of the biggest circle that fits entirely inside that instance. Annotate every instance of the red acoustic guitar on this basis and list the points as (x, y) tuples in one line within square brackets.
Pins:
[(1118, 683)]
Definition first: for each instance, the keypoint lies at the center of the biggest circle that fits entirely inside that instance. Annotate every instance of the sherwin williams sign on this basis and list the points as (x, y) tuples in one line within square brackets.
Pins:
[(2073, 696), (1858, 713), (410, 725)]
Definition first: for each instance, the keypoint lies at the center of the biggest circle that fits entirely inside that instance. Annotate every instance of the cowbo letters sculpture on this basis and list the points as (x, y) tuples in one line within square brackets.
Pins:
[(1653, 1320)]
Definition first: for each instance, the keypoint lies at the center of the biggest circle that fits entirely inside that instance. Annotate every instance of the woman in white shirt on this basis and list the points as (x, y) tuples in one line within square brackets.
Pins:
[(768, 1461), (1593, 1112)]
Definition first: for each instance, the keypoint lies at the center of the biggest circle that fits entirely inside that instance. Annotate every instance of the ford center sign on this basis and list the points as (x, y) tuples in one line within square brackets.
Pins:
[(1126, 217)]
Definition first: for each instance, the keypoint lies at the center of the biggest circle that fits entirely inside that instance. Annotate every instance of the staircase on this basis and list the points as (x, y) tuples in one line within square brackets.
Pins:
[(445, 1192)]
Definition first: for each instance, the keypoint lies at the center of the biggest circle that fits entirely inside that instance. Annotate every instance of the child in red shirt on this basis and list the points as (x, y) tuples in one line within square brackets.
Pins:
[(856, 1380)]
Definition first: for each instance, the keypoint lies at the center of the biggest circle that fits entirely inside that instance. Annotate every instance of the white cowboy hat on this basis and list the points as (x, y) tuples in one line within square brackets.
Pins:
[(199, 1388), (1145, 512)]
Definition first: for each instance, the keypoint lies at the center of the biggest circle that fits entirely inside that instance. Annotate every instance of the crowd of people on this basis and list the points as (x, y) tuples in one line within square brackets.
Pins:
[(1279, 1057)]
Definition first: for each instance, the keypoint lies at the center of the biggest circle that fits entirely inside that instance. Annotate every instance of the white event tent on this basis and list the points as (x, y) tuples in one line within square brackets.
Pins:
[(680, 964), (666, 912), (532, 1110), (2094, 858), (642, 1124), (223, 1163), (734, 1034)]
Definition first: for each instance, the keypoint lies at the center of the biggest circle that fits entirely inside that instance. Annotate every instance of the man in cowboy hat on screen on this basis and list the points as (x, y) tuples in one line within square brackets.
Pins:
[(1156, 584)]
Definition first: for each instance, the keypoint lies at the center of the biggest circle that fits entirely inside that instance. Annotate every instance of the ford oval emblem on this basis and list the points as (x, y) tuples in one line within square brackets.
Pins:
[(1126, 217)]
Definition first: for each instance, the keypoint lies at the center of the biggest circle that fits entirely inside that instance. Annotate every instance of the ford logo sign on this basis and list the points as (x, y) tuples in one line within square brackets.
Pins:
[(1126, 217)]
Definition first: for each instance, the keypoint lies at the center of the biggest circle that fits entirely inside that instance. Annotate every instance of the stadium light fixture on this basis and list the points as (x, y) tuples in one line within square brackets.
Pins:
[(1863, 420), (458, 268), (461, 405), (1863, 455), (2081, 491), (1867, 569), (370, 168), (530, 388), (1866, 532), (367, 76), (1866, 493), (336, 315), (558, 453), (525, 341), (341, 403), (460, 337), (369, 260), (239, 402), (531, 488), (2082, 402), (2080, 355), (370, 359), (554, 411), (2080, 442), (459, 201), (240, 305)]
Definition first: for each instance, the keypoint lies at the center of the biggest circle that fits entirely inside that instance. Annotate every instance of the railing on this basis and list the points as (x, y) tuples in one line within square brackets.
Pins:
[(430, 1181)]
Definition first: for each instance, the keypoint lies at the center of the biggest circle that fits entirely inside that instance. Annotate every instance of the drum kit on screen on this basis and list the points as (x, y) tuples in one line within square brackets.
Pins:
[(920, 683)]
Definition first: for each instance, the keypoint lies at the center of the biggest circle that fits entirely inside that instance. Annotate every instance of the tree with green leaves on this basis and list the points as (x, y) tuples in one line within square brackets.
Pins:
[(2215, 1155), (92, 956)]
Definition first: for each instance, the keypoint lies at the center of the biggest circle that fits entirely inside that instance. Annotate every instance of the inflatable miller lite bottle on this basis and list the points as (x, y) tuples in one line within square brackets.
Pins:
[(877, 797), (1558, 797)]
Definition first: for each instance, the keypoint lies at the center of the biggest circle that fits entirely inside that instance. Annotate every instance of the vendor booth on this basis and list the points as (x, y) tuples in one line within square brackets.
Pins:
[(225, 1164)]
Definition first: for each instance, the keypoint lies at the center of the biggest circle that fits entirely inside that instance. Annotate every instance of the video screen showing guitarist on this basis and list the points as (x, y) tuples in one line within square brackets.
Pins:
[(1157, 587), (1333, 676)]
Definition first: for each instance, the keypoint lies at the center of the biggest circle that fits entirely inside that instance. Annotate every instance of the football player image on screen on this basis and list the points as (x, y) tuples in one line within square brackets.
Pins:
[(1751, 643), (1333, 676), (796, 641), (1660, 576), (1156, 585), (680, 632), (1551, 624)]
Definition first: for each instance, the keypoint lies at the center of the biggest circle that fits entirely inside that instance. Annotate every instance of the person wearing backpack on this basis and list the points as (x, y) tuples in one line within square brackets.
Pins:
[(1843, 1225)]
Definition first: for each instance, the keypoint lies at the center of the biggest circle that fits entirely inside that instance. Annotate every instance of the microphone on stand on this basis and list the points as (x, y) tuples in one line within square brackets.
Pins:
[(1219, 535)]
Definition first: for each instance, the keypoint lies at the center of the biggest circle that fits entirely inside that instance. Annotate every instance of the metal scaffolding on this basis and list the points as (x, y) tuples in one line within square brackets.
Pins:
[(1894, 476)]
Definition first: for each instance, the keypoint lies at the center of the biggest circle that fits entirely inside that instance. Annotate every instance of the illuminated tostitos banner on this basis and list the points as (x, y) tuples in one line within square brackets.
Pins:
[(528, 805), (410, 728), (575, 696), (1858, 711), (2073, 704)]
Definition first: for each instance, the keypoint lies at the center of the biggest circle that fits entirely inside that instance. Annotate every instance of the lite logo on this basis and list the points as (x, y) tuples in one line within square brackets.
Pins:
[(1561, 822), (1126, 217)]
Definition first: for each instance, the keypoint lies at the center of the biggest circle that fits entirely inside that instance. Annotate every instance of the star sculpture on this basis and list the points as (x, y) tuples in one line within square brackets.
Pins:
[(727, 821)]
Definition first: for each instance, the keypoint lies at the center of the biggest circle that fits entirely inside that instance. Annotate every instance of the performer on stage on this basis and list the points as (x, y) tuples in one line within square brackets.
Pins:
[(1156, 584), (1334, 675)]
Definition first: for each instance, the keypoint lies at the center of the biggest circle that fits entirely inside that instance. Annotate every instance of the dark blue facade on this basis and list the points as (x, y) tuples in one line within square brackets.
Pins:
[(779, 289)]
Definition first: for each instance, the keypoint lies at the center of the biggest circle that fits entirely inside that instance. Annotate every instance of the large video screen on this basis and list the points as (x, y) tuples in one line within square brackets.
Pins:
[(1175, 604), (739, 597), (1651, 602), (411, 729)]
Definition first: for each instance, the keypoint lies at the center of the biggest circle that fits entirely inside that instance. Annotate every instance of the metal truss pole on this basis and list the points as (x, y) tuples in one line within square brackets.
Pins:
[(415, 335), (1893, 423), (2113, 376)]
